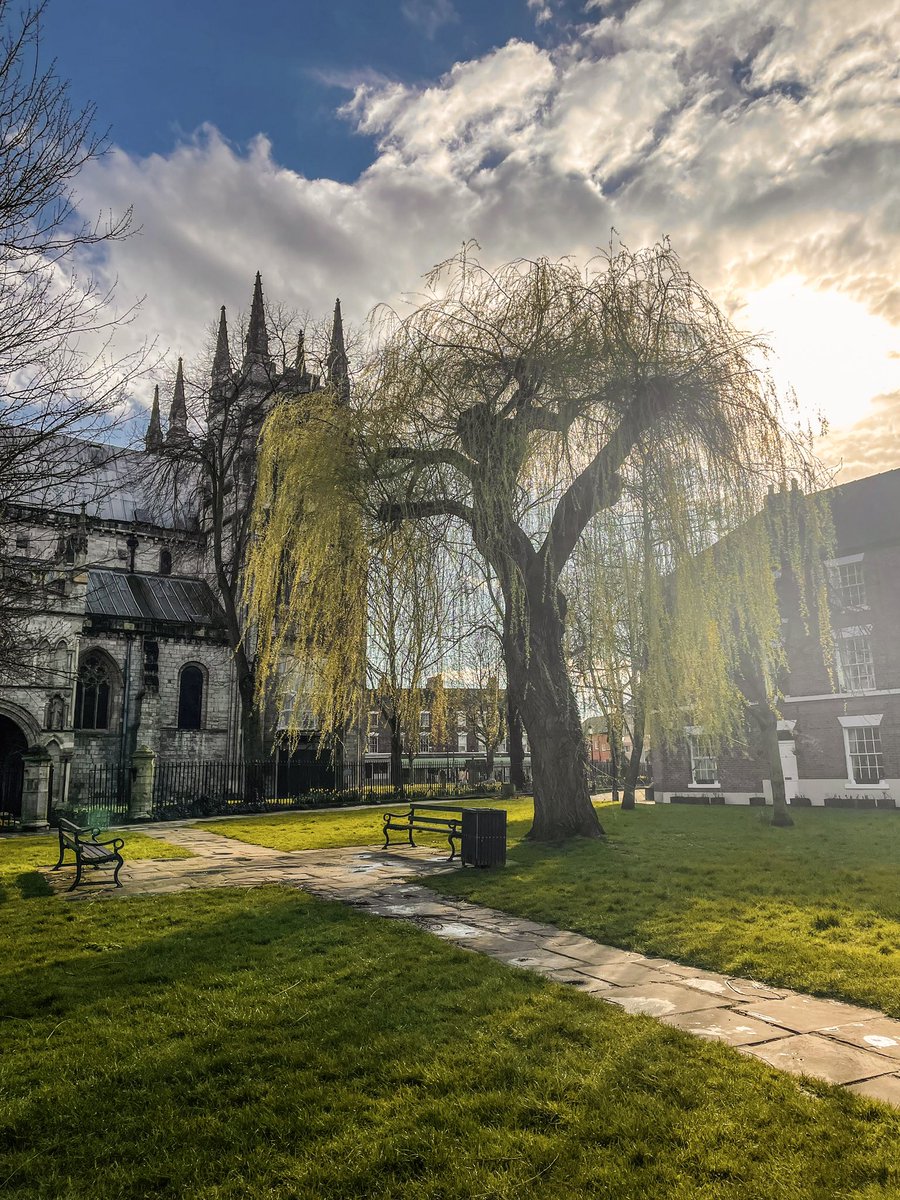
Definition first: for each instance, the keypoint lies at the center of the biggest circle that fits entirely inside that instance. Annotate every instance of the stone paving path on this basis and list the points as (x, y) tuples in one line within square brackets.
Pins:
[(854, 1047)]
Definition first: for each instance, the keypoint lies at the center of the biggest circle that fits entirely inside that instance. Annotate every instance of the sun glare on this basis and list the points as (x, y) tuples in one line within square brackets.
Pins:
[(829, 348)]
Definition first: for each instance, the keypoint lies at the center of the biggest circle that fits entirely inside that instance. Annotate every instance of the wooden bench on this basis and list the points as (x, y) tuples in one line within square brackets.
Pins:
[(87, 852), (416, 819)]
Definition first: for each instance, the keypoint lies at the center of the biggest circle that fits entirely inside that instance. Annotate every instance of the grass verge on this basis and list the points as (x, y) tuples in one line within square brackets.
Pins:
[(815, 907), (236, 1043)]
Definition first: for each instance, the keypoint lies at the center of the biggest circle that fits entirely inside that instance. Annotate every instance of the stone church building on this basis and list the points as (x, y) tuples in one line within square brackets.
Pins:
[(129, 642)]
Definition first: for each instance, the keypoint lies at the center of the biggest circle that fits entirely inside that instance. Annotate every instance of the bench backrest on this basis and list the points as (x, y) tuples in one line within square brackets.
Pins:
[(70, 834), (441, 808)]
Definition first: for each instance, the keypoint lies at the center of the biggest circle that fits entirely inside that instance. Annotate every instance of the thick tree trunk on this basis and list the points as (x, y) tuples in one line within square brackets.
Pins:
[(489, 762), (562, 801), (516, 744), (251, 731)]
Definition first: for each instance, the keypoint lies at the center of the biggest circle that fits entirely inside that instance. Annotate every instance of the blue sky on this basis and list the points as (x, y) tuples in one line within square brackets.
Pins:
[(342, 149), (158, 71)]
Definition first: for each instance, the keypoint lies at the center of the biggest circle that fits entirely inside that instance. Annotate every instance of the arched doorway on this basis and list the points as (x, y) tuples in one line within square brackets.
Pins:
[(13, 744)]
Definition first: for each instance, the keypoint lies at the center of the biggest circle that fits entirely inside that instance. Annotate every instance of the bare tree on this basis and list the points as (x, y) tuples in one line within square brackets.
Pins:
[(59, 378)]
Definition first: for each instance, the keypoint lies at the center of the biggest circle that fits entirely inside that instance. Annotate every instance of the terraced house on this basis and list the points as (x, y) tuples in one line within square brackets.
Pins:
[(839, 735)]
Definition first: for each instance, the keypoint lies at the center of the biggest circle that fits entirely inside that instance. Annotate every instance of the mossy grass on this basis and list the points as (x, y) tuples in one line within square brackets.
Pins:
[(815, 907), (255, 1042)]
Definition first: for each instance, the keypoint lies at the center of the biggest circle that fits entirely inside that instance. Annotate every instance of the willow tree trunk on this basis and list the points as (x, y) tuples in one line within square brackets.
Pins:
[(539, 676)]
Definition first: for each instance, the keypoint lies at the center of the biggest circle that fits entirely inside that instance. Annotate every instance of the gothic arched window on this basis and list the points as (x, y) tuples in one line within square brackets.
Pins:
[(92, 693), (190, 698), (165, 562)]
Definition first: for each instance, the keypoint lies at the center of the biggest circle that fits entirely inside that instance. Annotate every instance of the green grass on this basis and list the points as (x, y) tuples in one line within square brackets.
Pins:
[(20, 858), (816, 907), (257, 1043), (345, 827)]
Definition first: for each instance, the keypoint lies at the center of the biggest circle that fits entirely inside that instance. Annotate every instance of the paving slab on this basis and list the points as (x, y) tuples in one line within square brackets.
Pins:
[(883, 1087), (880, 1034), (659, 999), (810, 1054), (584, 983), (804, 1014), (628, 974), (724, 1025)]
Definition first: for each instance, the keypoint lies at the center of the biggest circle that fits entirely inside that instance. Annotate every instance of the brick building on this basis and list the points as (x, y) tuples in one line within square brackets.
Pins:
[(839, 734)]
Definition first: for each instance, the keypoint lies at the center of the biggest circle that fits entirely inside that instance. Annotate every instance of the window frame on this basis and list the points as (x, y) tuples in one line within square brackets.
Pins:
[(848, 724), (694, 734), (95, 659), (201, 715), (856, 634)]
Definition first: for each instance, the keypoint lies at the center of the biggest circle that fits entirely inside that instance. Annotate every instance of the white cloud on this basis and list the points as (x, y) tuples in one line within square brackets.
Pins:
[(763, 138)]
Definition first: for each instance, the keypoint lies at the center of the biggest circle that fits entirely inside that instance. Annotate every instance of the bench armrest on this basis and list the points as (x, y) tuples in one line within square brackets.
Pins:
[(116, 843)]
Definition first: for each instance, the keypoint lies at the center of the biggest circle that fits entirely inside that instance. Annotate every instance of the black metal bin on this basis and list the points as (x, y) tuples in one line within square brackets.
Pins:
[(483, 837)]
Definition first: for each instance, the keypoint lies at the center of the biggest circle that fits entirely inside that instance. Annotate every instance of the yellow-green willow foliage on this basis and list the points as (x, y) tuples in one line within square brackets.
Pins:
[(305, 584), (675, 610)]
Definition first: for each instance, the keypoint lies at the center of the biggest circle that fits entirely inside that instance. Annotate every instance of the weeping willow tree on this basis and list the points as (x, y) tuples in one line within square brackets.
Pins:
[(675, 619), (500, 415)]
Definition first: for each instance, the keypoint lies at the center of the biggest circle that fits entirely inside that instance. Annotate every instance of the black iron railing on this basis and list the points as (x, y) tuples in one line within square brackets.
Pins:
[(203, 788)]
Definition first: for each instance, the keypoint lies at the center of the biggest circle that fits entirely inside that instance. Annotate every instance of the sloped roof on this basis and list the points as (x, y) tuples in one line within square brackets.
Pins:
[(866, 512), (157, 598), (112, 483)]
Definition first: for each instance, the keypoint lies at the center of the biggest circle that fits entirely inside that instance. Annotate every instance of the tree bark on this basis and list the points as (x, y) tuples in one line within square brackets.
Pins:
[(251, 733), (538, 675)]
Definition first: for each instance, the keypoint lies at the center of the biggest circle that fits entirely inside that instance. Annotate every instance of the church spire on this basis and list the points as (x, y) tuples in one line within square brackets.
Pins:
[(178, 412), (153, 437), (221, 368), (338, 371), (300, 359), (257, 334)]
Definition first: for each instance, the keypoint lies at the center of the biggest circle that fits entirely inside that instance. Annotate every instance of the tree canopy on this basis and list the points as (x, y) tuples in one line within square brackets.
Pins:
[(501, 416)]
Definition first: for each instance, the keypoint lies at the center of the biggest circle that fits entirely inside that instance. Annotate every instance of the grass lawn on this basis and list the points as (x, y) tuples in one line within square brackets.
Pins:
[(346, 827), (242, 1043), (816, 907), (20, 856)]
